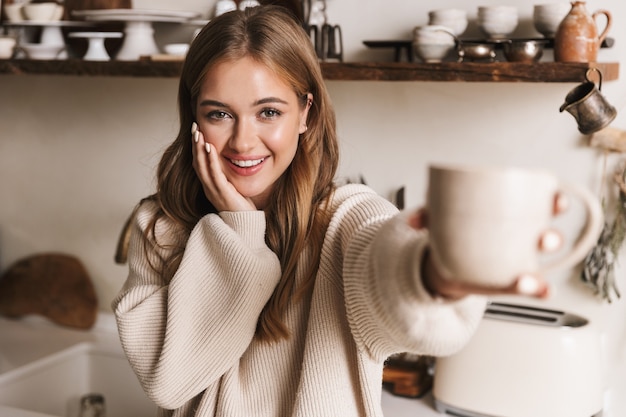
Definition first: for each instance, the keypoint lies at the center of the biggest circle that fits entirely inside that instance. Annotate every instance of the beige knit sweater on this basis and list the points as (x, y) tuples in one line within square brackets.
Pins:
[(191, 341)]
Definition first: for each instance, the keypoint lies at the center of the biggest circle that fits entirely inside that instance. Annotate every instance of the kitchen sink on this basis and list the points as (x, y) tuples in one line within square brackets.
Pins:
[(53, 385)]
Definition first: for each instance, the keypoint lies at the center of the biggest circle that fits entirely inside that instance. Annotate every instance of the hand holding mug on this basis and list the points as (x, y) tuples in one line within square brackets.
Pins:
[(488, 227)]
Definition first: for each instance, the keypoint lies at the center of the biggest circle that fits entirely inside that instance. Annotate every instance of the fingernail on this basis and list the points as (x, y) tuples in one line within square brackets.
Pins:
[(194, 128), (196, 136), (528, 285), (561, 203), (551, 241), (208, 148)]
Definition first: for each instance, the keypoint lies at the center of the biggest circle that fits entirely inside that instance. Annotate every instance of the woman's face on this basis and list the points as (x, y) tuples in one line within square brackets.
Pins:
[(253, 119)]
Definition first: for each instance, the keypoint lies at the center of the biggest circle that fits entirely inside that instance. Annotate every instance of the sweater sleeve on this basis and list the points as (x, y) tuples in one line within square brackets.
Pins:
[(181, 336), (388, 307)]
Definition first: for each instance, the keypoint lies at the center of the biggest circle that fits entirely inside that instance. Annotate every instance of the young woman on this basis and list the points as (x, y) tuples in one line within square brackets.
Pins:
[(256, 286)]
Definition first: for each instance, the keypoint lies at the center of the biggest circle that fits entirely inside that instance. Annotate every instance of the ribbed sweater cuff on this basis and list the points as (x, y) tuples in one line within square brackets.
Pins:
[(250, 225)]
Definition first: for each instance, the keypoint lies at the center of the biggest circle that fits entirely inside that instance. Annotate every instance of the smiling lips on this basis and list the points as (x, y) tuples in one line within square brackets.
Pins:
[(247, 167), (247, 163)]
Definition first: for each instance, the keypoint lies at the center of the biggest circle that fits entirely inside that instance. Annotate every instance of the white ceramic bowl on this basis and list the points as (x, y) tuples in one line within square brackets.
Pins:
[(497, 22), (40, 12), (13, 12), (498, 29), (244, 4), (178, 49), (58, 13), (432, 52), (42, 51), (203, 8), (548, 16), (454, 19), (431, 43), (433, 34), (497, 11), (224, 6)]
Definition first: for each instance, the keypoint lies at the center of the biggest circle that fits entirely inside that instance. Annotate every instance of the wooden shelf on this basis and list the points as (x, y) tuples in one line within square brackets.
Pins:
[(143, 68), (469, 71), (360, 71)]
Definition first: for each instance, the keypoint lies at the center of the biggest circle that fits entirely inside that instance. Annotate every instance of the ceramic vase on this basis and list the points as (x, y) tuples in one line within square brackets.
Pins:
[(577, 38)]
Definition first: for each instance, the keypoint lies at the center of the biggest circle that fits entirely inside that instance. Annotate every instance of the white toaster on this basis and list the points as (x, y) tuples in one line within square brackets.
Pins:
[(524, 361)]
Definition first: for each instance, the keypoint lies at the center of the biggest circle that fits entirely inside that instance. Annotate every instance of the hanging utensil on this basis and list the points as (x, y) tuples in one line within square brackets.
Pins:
[(326, 38), (332, 42), (310, 27), (315, 34)]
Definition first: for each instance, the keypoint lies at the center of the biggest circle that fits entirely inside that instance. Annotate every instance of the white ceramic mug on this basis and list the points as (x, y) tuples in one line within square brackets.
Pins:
[(485, 224)]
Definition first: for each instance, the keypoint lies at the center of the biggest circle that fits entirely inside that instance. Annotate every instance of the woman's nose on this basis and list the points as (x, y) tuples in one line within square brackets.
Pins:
[(244, 136)]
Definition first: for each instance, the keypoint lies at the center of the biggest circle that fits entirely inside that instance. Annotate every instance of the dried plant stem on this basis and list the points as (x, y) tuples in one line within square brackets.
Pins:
[(599, 265)]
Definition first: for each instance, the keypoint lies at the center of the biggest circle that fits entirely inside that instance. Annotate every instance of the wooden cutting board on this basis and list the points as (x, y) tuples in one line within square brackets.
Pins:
[(53, 285)]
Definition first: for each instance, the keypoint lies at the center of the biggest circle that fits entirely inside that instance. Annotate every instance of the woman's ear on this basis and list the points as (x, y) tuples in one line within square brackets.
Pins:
[(305, 113)]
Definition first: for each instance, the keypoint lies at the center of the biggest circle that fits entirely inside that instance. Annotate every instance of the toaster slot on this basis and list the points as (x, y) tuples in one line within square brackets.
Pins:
[(533, 315)]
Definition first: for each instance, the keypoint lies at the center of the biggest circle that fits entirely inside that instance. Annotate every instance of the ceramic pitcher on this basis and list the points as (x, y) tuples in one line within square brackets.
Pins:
[(577, 38), (588, 106)]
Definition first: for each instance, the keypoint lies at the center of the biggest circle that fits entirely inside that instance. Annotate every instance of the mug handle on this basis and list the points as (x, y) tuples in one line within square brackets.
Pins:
[(609, 19), (590, 233)]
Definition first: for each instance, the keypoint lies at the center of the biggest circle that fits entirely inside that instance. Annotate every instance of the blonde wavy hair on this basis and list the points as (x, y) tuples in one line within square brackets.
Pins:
[(297, 215)]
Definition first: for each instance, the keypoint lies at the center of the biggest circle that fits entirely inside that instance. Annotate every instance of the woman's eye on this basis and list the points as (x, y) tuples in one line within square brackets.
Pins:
[(270, 113), (218, 115)]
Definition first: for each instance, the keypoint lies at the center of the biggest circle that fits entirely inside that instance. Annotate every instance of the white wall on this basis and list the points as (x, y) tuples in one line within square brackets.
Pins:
[(77, 153)]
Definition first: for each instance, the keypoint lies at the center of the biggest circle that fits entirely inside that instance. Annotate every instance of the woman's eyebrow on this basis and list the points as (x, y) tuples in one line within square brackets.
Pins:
[(214, 103), (266, 100), (270, 100)]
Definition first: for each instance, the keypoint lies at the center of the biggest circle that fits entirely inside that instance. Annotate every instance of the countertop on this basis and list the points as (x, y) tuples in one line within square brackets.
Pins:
[(614, 400), (27, 340), (395, 406)]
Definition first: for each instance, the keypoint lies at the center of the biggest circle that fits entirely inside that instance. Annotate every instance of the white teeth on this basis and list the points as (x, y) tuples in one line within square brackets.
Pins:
[(248, 163)]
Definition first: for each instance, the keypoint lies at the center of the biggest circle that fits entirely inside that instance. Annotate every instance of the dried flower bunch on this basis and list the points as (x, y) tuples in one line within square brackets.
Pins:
[(599, 265)]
